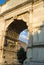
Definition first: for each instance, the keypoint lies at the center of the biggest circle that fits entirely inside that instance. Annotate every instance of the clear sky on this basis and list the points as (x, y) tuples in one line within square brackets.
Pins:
[(2, 2), (24, 36)]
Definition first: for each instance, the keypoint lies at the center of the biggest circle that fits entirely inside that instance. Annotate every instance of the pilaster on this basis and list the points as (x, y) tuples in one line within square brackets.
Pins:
[(2, 26), (30, 30)]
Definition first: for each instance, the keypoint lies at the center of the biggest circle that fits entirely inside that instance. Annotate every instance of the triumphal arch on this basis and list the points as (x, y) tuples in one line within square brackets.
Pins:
[(15, 16)]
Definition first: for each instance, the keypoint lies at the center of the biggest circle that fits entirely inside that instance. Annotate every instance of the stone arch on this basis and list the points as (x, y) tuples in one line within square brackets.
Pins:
[(18, 25), (23, 16), (8, 22)]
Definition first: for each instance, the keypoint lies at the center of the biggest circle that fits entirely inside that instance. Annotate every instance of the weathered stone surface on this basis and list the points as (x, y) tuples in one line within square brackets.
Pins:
[(29, 53), (36, 38), (26, 62), (34, 20), (41, 36), (36, 63)]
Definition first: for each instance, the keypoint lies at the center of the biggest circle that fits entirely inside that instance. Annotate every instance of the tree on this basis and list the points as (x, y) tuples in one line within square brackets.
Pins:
[(21, 55)]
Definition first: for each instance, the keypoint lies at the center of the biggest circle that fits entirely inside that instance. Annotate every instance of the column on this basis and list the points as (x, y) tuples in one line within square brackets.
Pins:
[(30, 41), (2, 24), (30, 30)]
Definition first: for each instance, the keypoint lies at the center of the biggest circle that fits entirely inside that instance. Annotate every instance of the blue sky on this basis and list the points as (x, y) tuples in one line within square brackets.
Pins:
[(24, 36), (2, 2)]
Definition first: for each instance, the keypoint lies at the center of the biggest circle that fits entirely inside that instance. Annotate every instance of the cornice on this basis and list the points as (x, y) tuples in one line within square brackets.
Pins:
[(21, 5)]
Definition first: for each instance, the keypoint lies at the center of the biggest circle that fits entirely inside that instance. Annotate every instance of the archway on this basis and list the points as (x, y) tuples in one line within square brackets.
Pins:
[(11, 40)]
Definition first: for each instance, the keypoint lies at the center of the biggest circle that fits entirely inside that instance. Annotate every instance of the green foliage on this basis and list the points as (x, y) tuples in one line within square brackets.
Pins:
[(21, 55)]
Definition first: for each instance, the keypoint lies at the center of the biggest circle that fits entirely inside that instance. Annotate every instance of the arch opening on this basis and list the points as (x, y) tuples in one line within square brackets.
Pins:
[(12, 43)]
